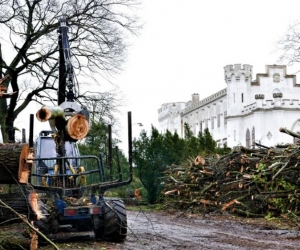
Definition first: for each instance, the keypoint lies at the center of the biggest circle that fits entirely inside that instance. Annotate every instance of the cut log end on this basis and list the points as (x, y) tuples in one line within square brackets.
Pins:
[(48, 112), (77, 127), (43, 114), (12, 158)]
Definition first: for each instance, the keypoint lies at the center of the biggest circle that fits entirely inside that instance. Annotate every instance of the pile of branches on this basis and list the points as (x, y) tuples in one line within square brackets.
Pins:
[(253, 182)]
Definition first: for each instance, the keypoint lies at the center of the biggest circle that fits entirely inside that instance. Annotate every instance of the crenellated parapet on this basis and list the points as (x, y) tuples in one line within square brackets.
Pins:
[(190, 106), (271, 104), (167, 109), (237, 70)]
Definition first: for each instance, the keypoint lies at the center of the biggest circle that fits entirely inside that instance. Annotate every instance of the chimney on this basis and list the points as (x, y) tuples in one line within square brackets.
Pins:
[(195, 98)]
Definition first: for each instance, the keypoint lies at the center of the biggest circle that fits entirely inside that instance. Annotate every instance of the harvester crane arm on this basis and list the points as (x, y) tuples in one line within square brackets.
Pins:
[(66, 75), (69, 121)]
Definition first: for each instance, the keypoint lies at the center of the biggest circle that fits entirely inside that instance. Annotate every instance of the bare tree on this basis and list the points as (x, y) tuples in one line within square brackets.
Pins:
[(103, 107), (289, 44), (29, 51)]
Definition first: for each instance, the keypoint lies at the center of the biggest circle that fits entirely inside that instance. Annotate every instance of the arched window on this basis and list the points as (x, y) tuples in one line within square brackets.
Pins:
[(200, 128), (248, 140), (253, 137), (277, 93)]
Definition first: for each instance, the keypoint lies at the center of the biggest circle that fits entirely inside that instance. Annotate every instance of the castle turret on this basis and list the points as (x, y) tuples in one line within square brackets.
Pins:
[(236, 71), (238, 78)]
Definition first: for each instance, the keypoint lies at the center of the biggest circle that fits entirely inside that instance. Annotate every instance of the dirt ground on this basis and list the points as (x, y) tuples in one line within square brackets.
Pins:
[(160, 230)]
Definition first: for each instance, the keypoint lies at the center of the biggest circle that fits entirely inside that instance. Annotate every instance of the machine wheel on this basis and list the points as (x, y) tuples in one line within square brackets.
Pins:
[(113, 225)]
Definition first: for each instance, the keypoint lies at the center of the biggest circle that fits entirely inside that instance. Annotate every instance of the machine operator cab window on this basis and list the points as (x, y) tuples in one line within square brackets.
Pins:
[(46, 148)]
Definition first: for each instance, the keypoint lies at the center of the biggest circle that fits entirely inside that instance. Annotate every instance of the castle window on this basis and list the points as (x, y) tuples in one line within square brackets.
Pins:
[(200, 127), (248, 138), (276, 77), (253, 137), (242, 97), (195, 129), (225, 117), (218, 121)]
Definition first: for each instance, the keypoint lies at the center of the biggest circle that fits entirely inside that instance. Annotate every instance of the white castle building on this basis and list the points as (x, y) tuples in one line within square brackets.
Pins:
[(245, 112)]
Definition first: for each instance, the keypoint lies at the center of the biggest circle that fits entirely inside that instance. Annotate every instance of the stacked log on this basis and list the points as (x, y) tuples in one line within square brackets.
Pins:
[(13, 162), (19, 201), (249, 182)]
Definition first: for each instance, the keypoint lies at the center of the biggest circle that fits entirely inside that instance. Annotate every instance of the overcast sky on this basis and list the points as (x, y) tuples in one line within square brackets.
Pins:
[(184, 46)]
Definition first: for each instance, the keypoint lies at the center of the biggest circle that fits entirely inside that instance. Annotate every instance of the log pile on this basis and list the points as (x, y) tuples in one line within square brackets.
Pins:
[(249, 182), (20, 204)]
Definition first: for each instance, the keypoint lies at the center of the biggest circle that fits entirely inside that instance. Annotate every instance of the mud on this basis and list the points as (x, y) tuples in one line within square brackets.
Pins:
[(157, 230)]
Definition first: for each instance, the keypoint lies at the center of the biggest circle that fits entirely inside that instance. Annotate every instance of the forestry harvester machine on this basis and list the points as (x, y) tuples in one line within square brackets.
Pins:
[(60, 188)]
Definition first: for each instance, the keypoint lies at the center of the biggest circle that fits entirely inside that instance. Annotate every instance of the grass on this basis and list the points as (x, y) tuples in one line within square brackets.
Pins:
[(146, 208)]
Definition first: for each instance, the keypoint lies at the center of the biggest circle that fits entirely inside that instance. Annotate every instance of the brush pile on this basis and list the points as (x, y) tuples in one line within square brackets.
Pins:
[(255, 182)]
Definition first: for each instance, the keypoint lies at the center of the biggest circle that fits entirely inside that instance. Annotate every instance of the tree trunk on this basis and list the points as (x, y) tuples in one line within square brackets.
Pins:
[(289, 132), (3, 110), (10, 118), (3, 106), (10, 154), (46, 113), (10, 130)]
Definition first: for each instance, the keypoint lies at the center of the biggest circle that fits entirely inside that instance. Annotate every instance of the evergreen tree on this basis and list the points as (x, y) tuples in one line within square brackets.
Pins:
[(191, 147), (149, 160), (153, 154), (206, 142), (169, 153), (96, 140), (96, 143), (187, 131), (178, 146)]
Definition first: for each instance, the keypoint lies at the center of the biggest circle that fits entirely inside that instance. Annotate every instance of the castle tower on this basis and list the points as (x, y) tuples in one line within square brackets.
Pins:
[(238, 78)]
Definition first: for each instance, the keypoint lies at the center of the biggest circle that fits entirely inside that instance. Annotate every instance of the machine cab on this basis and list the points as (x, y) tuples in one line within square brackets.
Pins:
[(45, 156)]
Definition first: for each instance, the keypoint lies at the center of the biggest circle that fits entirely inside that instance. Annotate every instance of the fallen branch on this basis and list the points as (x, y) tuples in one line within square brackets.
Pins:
[(279, 171), (289, 132), (31, 226)]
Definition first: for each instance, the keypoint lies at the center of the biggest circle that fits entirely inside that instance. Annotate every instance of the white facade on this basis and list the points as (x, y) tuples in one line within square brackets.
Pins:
[(170, 116), (245, 112)]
